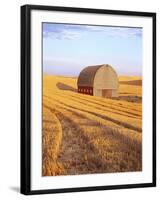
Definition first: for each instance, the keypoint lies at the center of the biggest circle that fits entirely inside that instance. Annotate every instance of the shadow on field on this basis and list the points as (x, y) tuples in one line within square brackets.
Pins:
[(133, 82), (63, 86), (134, 99)]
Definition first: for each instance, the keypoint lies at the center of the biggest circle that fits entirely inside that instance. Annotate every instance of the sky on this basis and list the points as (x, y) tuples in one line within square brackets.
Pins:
[(68, 48)]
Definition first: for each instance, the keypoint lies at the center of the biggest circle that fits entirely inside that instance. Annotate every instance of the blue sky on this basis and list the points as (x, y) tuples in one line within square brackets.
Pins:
[(68, 48)]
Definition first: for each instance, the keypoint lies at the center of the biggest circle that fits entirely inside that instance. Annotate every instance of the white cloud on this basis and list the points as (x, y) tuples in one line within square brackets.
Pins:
[(70, 32)]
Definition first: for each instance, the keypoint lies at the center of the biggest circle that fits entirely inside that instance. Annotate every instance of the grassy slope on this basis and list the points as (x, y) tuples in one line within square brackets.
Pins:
[(98, 135)]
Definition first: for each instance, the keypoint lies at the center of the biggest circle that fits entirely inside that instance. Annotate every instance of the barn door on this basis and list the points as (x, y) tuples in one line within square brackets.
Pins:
[(106, 93)]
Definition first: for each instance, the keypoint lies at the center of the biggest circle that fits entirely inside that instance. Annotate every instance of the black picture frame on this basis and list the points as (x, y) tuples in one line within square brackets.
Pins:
[(26, 98)]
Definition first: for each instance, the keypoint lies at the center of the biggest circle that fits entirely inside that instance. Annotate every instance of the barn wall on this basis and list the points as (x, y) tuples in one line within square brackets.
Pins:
[(97, 92), (85, 90), (114, 93), (106, 78)]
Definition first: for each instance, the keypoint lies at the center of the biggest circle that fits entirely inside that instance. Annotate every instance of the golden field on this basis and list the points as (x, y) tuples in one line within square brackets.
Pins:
[(85, 134)]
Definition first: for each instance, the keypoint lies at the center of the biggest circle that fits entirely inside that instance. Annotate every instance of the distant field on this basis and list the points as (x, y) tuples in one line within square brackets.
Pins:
[(85, 134)]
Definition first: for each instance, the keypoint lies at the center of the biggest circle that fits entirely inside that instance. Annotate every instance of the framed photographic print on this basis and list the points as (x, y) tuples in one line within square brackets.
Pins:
[(88, 99)]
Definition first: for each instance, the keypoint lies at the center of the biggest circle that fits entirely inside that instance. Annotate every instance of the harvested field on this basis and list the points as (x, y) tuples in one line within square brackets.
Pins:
[(85, 134)]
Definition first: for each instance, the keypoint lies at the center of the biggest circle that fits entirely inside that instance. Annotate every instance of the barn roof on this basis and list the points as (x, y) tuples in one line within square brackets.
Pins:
[(86, 76)]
